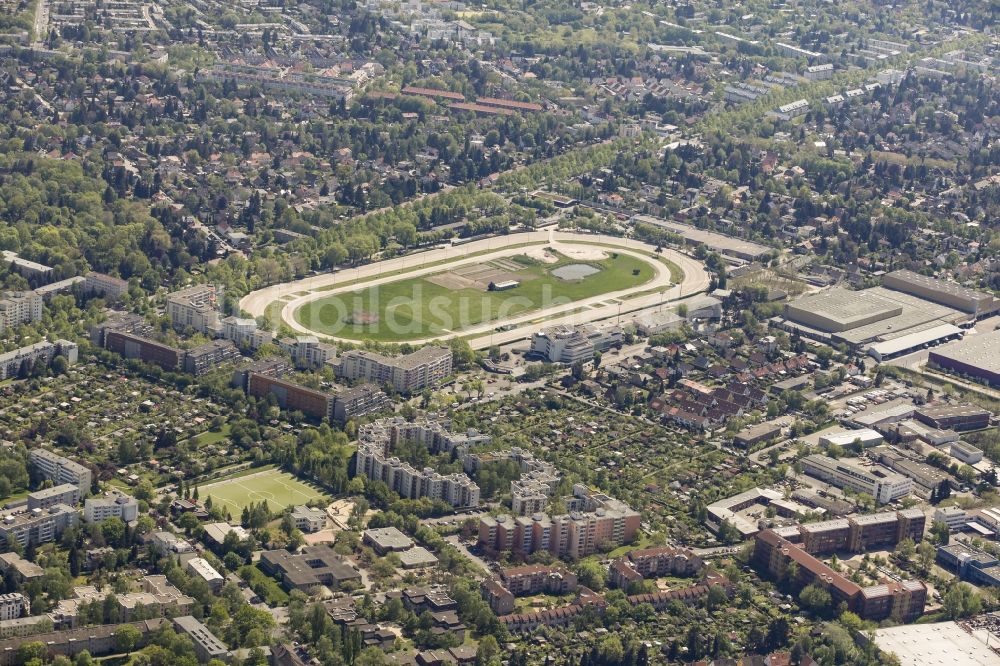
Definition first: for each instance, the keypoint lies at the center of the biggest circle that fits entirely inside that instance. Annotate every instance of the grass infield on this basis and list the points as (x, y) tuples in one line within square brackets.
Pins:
[(427, 306)]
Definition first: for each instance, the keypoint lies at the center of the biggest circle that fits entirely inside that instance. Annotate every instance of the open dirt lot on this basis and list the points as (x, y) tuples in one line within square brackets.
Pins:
[(541, 254), (473, 277)]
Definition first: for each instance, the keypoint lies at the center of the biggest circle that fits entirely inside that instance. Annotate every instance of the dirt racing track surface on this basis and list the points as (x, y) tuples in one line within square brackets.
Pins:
[(293, 295)]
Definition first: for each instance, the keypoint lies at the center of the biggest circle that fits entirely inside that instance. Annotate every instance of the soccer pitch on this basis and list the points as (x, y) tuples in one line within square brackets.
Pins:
[(452, 300), (279, 488)]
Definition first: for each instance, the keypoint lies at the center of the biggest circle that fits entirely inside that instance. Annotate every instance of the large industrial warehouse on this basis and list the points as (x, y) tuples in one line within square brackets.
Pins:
[(880, 321), (976, 303), (908, 312), (977, 356)]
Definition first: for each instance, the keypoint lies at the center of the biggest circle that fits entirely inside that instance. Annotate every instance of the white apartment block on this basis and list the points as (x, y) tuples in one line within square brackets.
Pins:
[(200, 568), (435, 435), (569, 344), (25, 267), (308, 519), (112, 505), (13, 606), (197, 307), (106, 286), (530, 492), (457, 490), (58, 469), (43, 352), (425, 367), (19, 307), (66, 493), (952, 516), (244, 332), (169, 543), (308, 352), (882, 484), (37, 526)]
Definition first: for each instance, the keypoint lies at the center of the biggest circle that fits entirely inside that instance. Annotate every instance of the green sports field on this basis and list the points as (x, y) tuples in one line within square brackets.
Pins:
[(455, 299), (280, 489)]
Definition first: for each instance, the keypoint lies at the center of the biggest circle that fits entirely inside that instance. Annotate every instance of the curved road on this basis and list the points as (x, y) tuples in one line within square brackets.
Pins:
[(595, 308)]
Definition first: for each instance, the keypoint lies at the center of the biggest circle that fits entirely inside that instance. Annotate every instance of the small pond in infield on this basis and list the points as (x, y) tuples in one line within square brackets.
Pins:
[(574, 271)]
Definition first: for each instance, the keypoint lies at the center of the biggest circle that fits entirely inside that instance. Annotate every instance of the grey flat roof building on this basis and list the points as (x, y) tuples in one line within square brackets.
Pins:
[(935, 644), (206, 644), (975, 355), (387, 539), (876, 315), (946, 293)]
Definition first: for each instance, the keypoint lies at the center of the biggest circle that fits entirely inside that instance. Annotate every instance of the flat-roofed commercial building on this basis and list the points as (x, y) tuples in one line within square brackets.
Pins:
[(385, 540), (727, 510), (313, 567), (755, 434), (879, 320), (954, 417), (866, 436), (966, 452), (976, 356), (839, 309), (935, 644), (952, 516), (200, 568), (569, 344), (970, 563), (207, 645), (974, 302), (926, 478), (885, 486)]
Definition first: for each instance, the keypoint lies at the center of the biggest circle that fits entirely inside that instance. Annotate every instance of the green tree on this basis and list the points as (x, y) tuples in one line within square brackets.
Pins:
[(941, 532), (961, 601), (30, 651), (127, 638), (488, 652), (611, 650), (591, 574), (816, 599)]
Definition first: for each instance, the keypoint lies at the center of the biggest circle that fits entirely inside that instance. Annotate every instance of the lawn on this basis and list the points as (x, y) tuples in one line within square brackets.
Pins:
[(421, 308), (212, 436), (280, 489)]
